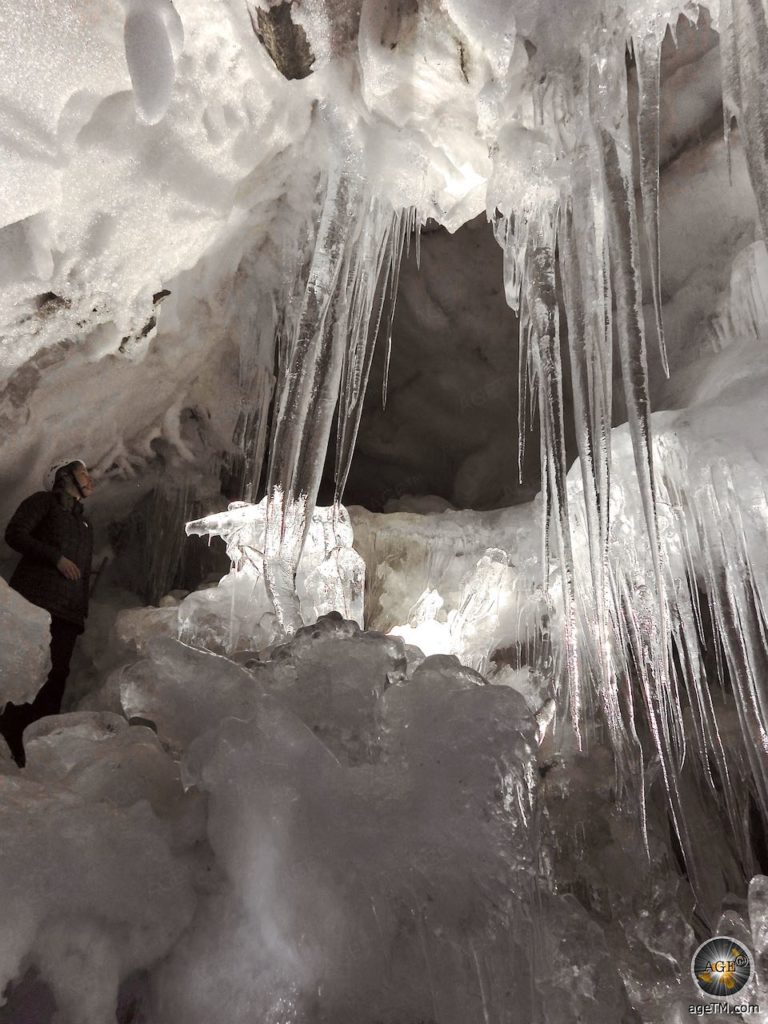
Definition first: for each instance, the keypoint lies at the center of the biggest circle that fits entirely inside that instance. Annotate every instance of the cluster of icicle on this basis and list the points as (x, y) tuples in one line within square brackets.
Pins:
[(641, 651), (335, 311), (632, 630)]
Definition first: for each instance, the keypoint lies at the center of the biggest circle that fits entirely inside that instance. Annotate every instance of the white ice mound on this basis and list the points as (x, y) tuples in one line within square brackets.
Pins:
[(91, 893), (355, 887), (153, 38), (356, 840), (24, 654), (238, 614)]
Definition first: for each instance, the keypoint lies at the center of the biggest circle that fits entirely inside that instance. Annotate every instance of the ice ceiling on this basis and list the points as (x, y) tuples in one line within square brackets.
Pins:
[(207, 212)]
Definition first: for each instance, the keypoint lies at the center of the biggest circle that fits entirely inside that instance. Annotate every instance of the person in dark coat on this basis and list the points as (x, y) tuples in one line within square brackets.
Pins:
[(55, 542)]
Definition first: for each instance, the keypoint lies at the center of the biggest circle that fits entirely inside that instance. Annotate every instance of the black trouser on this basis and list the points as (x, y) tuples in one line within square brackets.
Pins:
[(16, 717), (48, 700)]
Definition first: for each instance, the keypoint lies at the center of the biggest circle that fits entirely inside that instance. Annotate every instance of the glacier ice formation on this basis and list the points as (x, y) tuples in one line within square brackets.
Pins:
[(497, 271)]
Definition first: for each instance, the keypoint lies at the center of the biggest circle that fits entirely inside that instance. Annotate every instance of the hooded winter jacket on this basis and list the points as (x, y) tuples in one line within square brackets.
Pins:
[(45, 527)]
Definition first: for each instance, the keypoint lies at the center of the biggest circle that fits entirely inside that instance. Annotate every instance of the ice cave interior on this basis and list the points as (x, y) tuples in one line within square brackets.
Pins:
[(419, 353)]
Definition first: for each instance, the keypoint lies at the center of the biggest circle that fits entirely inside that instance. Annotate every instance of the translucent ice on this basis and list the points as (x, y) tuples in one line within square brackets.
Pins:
[(101, 898), (239, 613), (24, 655), (135, 627), (185, 692), (378, 856)]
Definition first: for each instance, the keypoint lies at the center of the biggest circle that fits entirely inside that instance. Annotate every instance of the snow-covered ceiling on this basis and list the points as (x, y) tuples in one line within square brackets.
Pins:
[(161, 164)]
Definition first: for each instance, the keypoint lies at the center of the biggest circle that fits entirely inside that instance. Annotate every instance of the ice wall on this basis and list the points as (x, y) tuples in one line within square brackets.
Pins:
[(474, 585)]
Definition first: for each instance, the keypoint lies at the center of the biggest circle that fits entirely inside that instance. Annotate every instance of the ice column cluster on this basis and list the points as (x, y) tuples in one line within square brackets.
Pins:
[(237, 614), (324, 358), (633, 612), (561, 194)]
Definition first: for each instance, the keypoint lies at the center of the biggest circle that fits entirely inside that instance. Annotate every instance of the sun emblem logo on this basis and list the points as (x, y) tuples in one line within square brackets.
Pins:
[(721, 966)]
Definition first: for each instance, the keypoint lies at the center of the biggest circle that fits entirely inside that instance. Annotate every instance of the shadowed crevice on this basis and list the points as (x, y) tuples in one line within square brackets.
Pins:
[(285, 42)]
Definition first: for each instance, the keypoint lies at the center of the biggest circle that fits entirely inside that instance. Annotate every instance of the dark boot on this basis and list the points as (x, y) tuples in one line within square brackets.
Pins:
[(13, 721), (16, 717)]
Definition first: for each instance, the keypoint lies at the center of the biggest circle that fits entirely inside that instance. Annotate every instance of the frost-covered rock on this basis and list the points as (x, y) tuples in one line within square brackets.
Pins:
[(24, 651)]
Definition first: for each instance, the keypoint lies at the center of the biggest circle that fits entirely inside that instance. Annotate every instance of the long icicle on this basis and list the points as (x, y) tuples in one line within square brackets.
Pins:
[(619, 201), (309, 391), (401, 233), (374, 286), (648, 63), (744, 26), (544, 325), (580, 285)]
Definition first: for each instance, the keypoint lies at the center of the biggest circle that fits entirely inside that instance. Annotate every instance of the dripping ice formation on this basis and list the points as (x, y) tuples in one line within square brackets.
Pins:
[(551, 735), (329, 577), (154, 37)]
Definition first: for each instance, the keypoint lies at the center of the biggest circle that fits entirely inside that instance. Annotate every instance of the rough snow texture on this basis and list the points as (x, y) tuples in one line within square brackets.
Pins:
[(24, 656)]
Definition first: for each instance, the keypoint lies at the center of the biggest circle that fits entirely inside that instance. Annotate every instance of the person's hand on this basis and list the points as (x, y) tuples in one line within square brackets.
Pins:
[(68, 569)]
